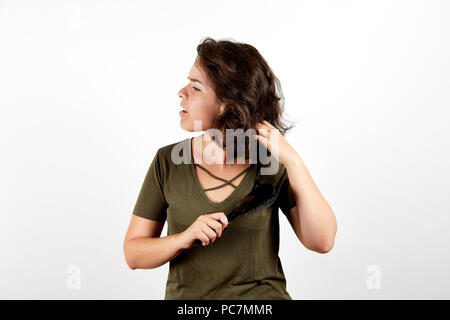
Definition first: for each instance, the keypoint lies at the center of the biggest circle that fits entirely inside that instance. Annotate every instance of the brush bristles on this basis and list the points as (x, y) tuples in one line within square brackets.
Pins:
[(262, 205)]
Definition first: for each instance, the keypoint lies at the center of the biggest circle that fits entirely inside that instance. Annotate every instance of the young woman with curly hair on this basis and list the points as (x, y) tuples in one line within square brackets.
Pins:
[(231, 88)]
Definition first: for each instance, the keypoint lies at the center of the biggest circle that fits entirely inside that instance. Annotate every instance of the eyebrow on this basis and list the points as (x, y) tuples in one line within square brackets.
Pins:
[(195, 80)]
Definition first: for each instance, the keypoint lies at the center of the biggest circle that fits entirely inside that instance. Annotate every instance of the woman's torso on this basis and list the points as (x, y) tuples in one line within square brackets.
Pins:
[(243, 263)]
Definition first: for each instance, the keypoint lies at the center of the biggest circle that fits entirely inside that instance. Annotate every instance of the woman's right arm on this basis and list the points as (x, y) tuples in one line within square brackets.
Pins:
[(145, 249)]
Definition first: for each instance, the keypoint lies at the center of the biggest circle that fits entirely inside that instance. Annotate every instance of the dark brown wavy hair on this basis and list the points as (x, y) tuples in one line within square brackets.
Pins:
[(242, 80)]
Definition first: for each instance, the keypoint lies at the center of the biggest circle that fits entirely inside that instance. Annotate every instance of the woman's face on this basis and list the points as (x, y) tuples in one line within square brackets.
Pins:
[(199, 101)]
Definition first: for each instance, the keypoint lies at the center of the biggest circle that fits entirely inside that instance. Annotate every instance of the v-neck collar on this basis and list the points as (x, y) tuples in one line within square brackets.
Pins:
[(249, 175)]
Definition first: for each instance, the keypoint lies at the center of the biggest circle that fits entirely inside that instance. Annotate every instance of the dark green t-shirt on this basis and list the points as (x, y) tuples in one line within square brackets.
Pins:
[(243, 263)]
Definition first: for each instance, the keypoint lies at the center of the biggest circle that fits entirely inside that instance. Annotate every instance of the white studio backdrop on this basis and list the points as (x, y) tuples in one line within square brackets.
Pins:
[(88, 93)]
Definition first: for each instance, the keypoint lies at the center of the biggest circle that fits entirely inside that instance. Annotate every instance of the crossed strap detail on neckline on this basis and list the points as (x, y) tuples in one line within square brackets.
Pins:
[(226, 181)]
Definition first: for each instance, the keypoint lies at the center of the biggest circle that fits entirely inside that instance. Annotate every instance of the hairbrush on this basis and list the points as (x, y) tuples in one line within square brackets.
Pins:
[(262, 196)]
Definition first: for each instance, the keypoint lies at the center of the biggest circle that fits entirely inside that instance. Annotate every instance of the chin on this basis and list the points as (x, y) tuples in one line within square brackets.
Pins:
[(186, 128), (189, 126)]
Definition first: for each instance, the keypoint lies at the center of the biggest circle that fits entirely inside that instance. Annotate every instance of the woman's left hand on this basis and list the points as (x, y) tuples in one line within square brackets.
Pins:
[(271, 138)]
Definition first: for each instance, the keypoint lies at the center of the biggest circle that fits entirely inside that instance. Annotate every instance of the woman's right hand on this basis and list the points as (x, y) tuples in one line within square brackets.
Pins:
[(206, 228)]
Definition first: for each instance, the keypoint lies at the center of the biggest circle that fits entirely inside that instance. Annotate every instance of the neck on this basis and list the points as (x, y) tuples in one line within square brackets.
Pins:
[(213, 153)]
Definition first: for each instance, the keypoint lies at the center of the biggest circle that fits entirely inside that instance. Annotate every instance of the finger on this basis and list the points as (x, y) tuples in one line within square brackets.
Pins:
[(214, 222), (270, 135), (264, 132), (203, 238), (262, 140), (265, 124), (210, 233), (215, 225), (220, 216), (261, 126), (224, 219), (269, 124)]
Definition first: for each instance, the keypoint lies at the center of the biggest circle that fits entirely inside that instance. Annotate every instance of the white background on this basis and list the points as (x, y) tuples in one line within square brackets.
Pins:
[(88, 93)]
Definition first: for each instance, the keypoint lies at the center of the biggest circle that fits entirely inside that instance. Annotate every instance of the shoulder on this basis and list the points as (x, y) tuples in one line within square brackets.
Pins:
[(169, 155), (273, 171), (167, 149)]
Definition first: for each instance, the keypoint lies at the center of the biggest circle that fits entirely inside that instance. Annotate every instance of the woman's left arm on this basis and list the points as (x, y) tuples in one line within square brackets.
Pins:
[(312, 218)]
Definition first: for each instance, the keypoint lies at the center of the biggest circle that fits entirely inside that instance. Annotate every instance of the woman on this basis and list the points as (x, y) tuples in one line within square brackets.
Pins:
[(230, 87)]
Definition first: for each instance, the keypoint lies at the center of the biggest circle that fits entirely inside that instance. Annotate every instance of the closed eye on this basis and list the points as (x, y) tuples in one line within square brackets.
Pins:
[(196, 89)]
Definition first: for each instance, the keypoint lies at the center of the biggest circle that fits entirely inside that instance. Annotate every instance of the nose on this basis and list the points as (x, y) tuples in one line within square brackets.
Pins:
[(181, 93)]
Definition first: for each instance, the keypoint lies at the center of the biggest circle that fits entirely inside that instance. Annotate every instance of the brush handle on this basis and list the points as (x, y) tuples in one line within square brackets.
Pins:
[(232, 214)]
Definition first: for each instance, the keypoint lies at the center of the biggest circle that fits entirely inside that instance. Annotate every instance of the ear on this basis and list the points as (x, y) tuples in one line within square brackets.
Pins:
[(221, 108)]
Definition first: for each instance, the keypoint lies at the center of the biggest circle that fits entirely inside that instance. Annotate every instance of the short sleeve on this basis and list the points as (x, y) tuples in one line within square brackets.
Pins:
[(151, 203), (286, 198)]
